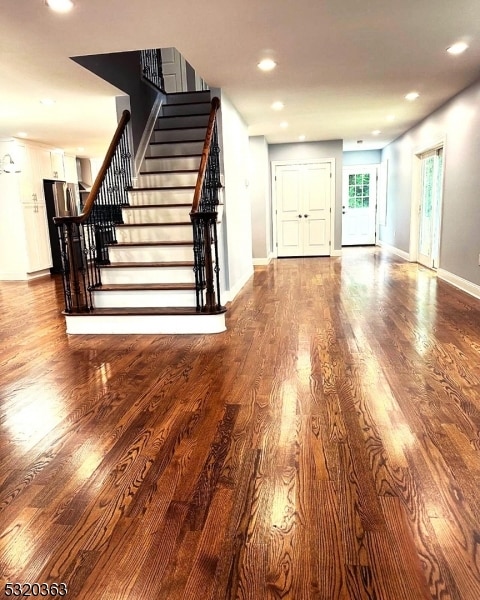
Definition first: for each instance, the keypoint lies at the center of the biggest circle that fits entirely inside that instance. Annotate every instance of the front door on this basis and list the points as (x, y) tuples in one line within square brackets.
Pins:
[(359, 206), (304, 200)]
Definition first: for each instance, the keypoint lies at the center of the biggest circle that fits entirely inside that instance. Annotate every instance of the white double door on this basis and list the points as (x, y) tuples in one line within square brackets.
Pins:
[(303, 208)]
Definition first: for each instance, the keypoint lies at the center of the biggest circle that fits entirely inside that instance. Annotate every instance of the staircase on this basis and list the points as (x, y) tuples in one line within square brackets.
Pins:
[(149, 285)]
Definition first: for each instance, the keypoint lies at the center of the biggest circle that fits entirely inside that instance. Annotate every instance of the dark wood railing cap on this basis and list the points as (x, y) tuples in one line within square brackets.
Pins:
[(205, 154), (87, 209)]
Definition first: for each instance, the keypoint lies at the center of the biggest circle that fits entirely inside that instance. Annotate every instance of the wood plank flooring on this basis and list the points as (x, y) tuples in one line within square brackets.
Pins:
[(327, 446)]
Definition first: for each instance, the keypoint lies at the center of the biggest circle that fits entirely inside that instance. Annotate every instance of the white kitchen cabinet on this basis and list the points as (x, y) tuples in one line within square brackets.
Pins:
[(50, 163), (39, 255), (70, 164), (57, 165), (24, 236)]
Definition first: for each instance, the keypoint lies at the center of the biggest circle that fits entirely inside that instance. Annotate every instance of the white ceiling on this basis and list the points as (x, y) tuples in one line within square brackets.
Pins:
[(343, 65)]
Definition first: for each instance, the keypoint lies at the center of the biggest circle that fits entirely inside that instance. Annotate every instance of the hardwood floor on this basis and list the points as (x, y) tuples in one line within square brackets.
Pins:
[(326, 446)]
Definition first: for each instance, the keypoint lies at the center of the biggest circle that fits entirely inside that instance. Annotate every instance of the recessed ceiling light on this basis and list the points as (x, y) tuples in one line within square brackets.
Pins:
[(47, 101), (457, 48), (301, 138), (267, 64), (284, 124), (411, 96), (61, 6), (278, 105), (376, 132), (22, 134)]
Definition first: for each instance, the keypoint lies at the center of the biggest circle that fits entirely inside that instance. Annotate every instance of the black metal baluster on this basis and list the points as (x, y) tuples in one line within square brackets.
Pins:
[(151, 67)]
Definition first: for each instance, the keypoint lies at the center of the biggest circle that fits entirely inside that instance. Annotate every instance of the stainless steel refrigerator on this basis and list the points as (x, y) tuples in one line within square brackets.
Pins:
[(61, 200)]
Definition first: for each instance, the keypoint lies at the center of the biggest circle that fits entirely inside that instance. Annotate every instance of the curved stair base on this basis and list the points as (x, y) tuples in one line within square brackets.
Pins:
[(148, 322)]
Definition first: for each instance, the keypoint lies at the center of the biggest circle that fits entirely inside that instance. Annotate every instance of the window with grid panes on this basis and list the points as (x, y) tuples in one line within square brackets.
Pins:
[(359, 190)]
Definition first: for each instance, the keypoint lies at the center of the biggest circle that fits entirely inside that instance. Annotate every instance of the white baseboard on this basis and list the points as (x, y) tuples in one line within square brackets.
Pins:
[(147, 132), (393, 250), (230, 294), (22, 276), (463, 284), (262, 262), (336, 252)]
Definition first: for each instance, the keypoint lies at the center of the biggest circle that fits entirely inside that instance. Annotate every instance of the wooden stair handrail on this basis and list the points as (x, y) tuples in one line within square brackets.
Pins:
[(205, 154), (92, 196)]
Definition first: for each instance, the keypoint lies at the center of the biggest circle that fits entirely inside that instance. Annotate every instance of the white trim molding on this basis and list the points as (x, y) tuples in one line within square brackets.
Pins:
[(22, 276), (229, 295), (335, 252), (147, 132), (145, 324), (262, 262), (463, 284), (393, 250)]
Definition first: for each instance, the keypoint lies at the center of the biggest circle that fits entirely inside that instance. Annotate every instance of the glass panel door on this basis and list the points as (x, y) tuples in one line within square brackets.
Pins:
[(430, 208)]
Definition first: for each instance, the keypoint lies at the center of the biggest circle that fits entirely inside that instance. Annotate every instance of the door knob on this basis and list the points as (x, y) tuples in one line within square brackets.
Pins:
[(299, 216), (305, 216)]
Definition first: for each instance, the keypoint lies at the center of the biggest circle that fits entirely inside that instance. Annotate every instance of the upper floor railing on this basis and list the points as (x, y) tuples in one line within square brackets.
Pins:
[(151, 67)]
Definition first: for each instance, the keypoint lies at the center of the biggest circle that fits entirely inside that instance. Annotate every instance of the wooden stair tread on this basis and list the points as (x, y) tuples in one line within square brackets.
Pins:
[(169, 310), (181, 116), (169, 224), (163, 188), (143, 206), (163, 243), (175, 142), (181, 128), (169, 172), (186, 103), (170, 156), (135, 265), (120, 287)]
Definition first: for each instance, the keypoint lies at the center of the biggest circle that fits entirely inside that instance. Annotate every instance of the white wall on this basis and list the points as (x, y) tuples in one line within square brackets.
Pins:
[(317, 150), (355, 158), (237, 262), (13, 257), (458, 122), (259, 188)]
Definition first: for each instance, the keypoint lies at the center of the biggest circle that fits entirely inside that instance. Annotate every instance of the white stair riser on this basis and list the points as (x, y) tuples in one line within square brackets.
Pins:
[(182, 121), (146, 324), (174, 233), (150, 253), (160, 197), (156, 214), (144, 298), (171, 164), (170, 110), (188, 97), (167, 180), (173, 149), (179, 135), (138, 275)]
